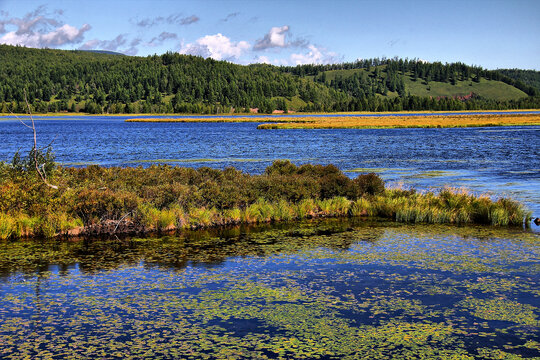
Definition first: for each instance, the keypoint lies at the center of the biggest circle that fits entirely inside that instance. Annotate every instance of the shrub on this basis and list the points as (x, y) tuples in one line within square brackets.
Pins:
[(92, 205), (370, 184)]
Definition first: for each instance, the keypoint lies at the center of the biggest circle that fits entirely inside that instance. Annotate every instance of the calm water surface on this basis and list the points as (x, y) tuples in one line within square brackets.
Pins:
[(312, 290)]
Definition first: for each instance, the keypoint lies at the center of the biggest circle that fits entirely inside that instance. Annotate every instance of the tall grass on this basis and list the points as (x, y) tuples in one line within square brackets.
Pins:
[(164, 197), (455, 206), (7, 226)]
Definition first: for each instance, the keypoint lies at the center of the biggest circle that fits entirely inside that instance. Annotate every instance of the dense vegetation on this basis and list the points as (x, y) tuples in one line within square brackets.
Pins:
[(58, 80), (403, 84), (528, 77), (164, 197), (79, 81)]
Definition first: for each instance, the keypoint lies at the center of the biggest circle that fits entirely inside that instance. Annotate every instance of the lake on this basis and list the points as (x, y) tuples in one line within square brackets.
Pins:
[(499, 160), (320, 289)]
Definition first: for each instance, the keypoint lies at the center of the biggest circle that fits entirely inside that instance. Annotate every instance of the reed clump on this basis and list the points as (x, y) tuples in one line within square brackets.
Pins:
[(161, 198)]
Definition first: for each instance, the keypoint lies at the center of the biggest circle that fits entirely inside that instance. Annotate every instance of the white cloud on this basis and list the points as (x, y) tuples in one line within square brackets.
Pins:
[(274, 38), (217, 46), (164, 36), (230, 16), (315, 56), (35, 29), (65, 34), (176, 18), (189, 20)]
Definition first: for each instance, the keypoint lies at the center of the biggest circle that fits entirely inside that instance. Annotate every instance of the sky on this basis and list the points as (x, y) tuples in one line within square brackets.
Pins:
[(491, 33)]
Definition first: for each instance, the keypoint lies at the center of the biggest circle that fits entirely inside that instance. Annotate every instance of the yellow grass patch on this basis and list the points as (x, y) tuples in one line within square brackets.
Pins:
[(356, 122)]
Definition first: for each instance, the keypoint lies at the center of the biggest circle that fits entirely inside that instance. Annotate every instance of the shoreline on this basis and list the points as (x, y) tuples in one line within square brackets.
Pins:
[(98, 201), (295, 114)]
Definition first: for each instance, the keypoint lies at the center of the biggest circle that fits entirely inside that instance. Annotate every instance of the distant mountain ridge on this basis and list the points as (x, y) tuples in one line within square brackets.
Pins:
[(105, 82)]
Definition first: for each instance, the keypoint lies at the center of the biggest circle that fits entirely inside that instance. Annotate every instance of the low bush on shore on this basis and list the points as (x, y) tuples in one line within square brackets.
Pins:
[(166, 198)]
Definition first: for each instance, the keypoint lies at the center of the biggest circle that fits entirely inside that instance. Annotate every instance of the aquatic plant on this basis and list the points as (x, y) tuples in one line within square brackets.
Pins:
[(7, 226), (320, 289), (201, 217), (362, 122)]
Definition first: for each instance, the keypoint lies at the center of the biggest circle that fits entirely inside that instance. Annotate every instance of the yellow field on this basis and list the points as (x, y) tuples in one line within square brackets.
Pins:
[(356, 122)]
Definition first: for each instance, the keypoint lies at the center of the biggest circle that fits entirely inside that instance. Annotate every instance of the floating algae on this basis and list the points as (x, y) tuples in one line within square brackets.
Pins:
[(333, 289)]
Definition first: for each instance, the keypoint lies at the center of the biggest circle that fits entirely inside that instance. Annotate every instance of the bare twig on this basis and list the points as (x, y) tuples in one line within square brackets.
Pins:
[(33, 128), (119, 221), (20, 120)]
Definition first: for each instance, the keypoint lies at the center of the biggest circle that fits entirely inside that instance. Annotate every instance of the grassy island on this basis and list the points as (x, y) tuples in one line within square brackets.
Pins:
[(393, 121), (363, 120), (97, 201)]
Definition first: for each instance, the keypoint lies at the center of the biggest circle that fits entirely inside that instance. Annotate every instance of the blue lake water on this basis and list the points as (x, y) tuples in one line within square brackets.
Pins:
[(498, 160), (323, 289)]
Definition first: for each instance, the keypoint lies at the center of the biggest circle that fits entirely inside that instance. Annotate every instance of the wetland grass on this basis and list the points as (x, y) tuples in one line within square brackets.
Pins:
[(101, 200)]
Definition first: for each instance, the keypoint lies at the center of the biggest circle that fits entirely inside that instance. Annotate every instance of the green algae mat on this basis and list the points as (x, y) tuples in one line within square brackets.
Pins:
[(333, 289)]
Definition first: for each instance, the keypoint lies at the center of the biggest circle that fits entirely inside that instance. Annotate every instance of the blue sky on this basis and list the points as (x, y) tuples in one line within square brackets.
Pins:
[(493, 34)]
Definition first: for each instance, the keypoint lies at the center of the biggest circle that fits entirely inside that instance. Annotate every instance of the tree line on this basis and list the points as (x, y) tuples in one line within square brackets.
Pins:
[(78, 81)]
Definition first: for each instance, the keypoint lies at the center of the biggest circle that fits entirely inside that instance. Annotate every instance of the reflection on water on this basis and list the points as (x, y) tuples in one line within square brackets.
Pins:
[(317, 289)]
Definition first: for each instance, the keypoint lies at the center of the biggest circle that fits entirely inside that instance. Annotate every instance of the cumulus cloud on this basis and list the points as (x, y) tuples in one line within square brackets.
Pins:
[(278, 37), (133, 49), (315, 56), (217, 46), (66, 34), (36, 29), (262, 60), (274, 38), (110, 45), (172, 19)]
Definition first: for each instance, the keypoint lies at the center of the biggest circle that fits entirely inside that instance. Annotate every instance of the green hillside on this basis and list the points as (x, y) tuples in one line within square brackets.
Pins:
[(57, 80), (95, 82), (489, 89), (528, 77)]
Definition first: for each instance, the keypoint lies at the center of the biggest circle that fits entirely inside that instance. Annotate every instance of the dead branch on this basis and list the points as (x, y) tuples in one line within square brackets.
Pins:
[(35, 149)]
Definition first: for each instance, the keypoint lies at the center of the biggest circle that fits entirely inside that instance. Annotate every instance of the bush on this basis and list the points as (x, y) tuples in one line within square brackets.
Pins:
[(370, 184), (92, 205)]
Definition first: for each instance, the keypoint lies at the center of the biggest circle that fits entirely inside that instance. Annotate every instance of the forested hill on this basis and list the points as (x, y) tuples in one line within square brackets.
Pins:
[(81, 81), (96, 82), (529, 77)]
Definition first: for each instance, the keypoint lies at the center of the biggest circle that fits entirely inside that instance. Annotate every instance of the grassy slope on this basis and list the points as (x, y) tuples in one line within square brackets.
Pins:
[(490, 89)]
